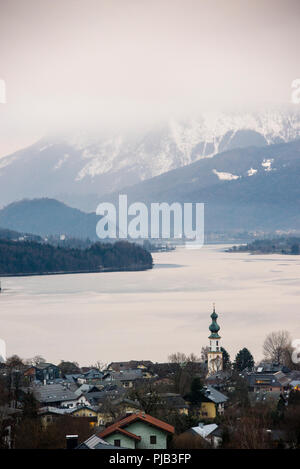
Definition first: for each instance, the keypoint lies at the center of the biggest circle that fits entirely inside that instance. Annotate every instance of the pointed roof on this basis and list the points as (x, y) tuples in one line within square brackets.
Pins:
[(214, 327), (140, 416)]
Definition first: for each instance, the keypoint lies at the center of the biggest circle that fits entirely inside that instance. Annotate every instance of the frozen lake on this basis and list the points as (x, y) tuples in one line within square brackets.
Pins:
[(148, 315)]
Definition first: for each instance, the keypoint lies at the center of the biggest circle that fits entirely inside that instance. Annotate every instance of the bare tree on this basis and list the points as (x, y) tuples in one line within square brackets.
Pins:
[(177, 358), (110, 410), (147, 396), (186, 368), (276, 346), (204, 353), (35, 360), (99, 365)]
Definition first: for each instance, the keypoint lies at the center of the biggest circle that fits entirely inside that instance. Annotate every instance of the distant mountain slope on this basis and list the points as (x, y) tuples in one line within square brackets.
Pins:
[(250, 188), (48, 217), (16, 236), (79, 169), (243, 189)]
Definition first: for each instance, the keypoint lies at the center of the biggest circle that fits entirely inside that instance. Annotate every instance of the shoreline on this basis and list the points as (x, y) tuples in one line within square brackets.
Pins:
[(133, 268)]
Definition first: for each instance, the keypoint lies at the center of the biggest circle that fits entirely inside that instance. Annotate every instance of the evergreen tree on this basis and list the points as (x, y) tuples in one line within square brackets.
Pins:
[(226, 359), (294, 398), (243, 359), (196, 393), (30, 406)]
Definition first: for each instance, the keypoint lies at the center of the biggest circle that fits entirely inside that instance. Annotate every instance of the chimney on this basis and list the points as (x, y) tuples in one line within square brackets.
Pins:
[(71, 441)]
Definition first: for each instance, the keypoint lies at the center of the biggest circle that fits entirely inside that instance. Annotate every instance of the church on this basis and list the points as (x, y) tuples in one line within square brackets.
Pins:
[(215, 354)]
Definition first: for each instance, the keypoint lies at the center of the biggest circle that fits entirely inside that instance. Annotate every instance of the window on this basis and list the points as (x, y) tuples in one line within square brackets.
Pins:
[(153, 439), (117, 442)]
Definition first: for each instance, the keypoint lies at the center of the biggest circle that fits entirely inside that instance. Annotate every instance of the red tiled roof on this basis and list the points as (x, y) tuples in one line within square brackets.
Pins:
[(133, 418), (125, 432)]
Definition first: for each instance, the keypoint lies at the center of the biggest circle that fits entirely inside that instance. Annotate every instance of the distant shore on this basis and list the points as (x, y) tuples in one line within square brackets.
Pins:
[(133, 268)]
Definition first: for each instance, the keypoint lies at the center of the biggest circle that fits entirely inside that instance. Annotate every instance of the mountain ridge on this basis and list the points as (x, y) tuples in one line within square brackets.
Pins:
[(80, 169)]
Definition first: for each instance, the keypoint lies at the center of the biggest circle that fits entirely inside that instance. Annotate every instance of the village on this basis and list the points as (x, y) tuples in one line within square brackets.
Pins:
[(189, 402)]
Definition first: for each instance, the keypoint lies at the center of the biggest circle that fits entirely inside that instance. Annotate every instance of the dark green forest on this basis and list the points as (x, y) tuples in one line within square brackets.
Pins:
[(29, 257), (283, 245)]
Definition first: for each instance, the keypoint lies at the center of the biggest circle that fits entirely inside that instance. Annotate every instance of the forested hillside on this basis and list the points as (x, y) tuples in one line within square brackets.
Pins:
[(17, 258)]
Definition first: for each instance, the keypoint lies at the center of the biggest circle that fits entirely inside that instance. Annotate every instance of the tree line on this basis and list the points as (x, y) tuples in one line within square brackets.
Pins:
[(30, 257)]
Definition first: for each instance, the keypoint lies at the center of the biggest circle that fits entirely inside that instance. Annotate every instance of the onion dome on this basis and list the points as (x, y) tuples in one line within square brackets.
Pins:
[(214, 327)]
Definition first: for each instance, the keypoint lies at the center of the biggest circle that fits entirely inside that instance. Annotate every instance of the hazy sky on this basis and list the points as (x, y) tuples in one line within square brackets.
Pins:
[(112, 63)]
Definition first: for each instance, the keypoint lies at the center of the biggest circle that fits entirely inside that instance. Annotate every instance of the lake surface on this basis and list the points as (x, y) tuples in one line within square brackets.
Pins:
[(148, 315)]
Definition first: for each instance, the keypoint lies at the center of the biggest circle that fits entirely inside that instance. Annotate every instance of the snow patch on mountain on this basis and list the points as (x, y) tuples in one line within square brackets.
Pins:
[(251, 171), (267, 164), (62, 161), (225, 176)]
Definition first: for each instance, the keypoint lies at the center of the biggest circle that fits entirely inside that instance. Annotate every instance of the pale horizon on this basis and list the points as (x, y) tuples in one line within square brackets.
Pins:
[(122, 64)]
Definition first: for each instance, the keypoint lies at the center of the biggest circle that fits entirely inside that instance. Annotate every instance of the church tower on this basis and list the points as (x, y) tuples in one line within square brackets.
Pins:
[(215, 355)]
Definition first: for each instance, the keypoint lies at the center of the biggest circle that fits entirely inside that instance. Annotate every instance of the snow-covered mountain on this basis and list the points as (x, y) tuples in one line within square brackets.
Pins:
[(79, 169)]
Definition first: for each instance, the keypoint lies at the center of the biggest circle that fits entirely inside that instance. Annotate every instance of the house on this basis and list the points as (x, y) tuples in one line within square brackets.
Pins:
[(138, 431), (126, 379), (131, 365), (219, 380), (267, 381), (49, 414), (58, 395), (266, 367), (87, 412), (109, 392), (212, 403), (43, 372), (121, 405), (95, 442), (295, 384), (210, 433), (86, 389), (92, 376), (174, 402)]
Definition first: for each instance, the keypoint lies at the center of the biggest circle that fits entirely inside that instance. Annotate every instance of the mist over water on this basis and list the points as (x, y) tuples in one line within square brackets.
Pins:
[(148, 315)]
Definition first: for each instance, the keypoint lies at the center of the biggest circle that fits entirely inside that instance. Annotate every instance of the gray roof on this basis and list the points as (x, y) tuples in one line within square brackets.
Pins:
[(215, 396), (204, 430), (94, 442), (173, 400), (124, 400), (83, 389), (277, 379), (295, 382), (54, 393), (54, 410), (42, 366), (126, 375), (73, 377), (63, 411)]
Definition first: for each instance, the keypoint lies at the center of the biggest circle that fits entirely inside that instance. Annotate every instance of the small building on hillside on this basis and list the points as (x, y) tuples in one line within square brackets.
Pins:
[(211, 434), (43, 372), (131, 365), (112, 407), (94, 442), (174, 403), (138, 431), (212, 403), (57, 395), (264, 381), (49, 414)]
